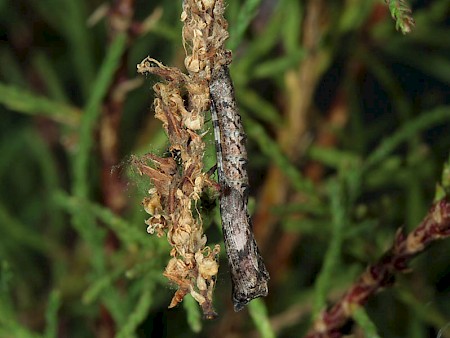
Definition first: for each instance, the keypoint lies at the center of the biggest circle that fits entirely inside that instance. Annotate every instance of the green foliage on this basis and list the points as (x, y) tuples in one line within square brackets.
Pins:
[(194, 317), (363, 320), (401, 13), (272, 150), (423, 122), (333, 253), (246, 13), (374, 108), (28, 103), (258, 313), (139, 313), (90, 116), (51, 315)]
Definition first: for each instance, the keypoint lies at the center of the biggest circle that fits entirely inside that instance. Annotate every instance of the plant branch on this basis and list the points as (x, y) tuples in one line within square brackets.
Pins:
[(435, 226), (401, 13)]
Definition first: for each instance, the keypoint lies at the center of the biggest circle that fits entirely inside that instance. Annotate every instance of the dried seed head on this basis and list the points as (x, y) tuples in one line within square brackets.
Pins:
[(194, 121), (152, 205), (157, 223), (201, 283), (207, 267), (179, 180), (192, 64), (205, 4), (198, 297)]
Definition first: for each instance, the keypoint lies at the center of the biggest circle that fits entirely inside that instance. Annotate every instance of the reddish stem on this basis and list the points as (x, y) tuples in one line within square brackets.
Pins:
[(436, 225)]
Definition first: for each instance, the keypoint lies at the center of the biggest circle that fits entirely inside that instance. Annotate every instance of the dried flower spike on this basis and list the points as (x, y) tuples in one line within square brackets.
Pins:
[(178, 181)]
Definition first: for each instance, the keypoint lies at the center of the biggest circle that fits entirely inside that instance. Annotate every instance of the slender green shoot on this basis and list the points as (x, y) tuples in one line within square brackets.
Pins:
[(248, 11), (140, 311), (366, 324), (423, 122), (333, 254), (25, 102), (401, 13), (51, 315), (258, 312), (194, 317)]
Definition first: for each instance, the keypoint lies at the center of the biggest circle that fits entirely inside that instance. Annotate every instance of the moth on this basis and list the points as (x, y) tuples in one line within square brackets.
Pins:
[(249, 275)]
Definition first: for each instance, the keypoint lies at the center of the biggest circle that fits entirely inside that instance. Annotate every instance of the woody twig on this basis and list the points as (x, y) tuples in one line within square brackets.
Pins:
[(435, 226)]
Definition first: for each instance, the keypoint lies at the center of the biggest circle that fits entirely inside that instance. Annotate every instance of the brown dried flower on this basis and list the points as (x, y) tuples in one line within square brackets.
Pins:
[(179, 181)]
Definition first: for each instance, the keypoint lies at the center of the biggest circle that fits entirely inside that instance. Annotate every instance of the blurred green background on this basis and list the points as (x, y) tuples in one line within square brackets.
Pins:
[(348, 130)]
